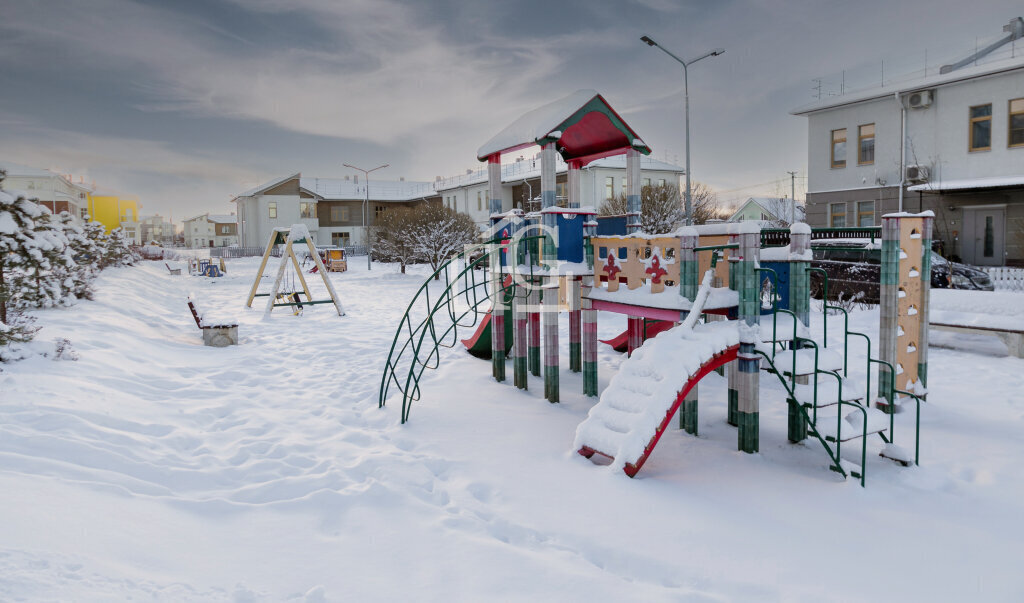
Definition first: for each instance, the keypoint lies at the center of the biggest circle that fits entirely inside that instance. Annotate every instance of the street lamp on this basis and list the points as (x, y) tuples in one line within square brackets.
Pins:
[(366, 204), (686, 94)]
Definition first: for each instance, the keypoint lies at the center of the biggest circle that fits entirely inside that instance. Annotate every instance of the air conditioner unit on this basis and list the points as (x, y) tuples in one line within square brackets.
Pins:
[(920, 100), (917, 173)]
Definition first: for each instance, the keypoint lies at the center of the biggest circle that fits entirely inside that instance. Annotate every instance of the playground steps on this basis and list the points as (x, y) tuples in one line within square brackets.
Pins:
[(828, 360), (782, 327), (828, 391), (852, 424)]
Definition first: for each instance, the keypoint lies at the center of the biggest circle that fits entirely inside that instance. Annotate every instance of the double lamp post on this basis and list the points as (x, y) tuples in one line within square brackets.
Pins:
[(366, 205)]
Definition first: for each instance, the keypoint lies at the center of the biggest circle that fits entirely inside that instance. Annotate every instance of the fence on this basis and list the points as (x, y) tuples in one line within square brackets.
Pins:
[(1006, 279), (248, 252)]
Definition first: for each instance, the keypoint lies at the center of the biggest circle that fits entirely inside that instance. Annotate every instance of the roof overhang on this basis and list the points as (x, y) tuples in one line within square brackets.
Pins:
[(968, 184), (583, 126)]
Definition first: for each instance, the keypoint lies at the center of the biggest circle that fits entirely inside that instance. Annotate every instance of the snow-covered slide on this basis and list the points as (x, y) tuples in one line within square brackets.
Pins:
[(641, 399)]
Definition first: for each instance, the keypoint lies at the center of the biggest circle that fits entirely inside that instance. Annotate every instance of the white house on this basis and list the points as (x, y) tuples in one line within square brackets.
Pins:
[(210, 230), (769, 209), (961, 153), (57, 192)]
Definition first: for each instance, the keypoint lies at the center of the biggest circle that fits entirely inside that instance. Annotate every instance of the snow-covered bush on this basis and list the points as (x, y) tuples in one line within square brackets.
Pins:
[(429, 233), (662, 207)]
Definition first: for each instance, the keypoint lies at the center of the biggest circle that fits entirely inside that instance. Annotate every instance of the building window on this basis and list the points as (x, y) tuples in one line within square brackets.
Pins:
[(84, 212), (839, 148), (272, 210), (1016, 123), (981, 127), (378, 210), (989, 237), (865, 213), (866, 144), (837, 215), (609, 187), (307, 209), (646, 181), (339, 239), (661, 182), (339, 214), (560, 191), (479, 201)]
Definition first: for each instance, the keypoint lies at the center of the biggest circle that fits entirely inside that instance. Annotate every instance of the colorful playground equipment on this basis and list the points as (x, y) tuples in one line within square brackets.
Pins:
[(278, 297), (699, 289)]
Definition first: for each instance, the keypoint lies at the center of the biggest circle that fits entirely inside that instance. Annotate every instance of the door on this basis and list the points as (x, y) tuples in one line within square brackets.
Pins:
[(987, 236)]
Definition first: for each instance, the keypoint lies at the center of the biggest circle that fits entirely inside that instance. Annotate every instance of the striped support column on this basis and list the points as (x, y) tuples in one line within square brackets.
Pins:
[(633, 205), (800, 304), (634, 334), (589, 319), (550, 294), (688, 416), (748, 363), (689, 282), (888, 307), (731, 373), (533, 327), (519, 341), (575, 325), (497, 295), (575, 284), (927, 227)]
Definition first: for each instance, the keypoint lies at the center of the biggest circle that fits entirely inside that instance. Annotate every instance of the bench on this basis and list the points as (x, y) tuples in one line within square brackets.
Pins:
[(1012, 337), (218, 335)]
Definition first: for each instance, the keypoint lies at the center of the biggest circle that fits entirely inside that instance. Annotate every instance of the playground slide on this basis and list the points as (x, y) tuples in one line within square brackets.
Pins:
[(479, 344), (642, 398), (620, 343)]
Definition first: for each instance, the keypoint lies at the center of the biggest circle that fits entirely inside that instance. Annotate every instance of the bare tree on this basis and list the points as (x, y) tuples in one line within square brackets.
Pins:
[(439, 233), (661, 207), (392, 236)]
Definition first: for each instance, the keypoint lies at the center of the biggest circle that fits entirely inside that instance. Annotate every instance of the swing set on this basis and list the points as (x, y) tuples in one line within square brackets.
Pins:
[(284, 292)]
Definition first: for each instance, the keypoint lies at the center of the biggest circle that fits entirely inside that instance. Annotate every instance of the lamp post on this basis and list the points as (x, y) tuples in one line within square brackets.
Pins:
[(686, 95), (366, 205)]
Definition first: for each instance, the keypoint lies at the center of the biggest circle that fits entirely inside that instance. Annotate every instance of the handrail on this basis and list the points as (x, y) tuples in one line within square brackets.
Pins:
[(465, 278), (824, 304), (917, 424)]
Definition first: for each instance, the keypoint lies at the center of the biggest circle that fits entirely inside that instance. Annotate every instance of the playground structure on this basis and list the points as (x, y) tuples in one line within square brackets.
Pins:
[(205, 267), (669, 282), (292, 298)]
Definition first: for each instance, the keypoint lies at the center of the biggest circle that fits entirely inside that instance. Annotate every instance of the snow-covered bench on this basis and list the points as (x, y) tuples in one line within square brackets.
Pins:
[(216, 333), (1011, 332)]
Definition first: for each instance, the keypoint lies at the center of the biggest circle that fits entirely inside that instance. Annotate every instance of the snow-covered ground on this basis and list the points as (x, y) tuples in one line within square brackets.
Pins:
[(156, 468)]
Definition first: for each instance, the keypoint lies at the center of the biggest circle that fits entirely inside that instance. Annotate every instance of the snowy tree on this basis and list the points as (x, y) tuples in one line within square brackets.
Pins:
[(44, 271), (662, 208), (78, 277), (439, 233), (17, 247), (393, 236), (98, 241), (117, 251)]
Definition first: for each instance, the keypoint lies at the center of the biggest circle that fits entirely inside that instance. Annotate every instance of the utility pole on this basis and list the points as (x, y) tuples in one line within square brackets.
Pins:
[(792, 205)]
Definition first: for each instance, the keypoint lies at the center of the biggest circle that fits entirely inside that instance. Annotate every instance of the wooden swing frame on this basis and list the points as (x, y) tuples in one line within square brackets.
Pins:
[(284, 236)]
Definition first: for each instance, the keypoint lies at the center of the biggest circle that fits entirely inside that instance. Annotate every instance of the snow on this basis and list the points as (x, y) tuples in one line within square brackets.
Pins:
[(800, 228), (7, 224), (903, 214), (536, 124), (154, 468), (588, 210), (669, 299), (785, 254), (968, 183)]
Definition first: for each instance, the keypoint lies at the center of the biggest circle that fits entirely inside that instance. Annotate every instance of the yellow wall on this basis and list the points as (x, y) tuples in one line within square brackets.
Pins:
[(104, 209)]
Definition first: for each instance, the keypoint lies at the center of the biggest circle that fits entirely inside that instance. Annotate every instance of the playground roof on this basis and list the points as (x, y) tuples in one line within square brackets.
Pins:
[(583, 125)]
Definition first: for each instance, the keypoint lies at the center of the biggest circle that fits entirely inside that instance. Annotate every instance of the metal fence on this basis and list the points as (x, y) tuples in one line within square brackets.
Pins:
[(1006, 279)]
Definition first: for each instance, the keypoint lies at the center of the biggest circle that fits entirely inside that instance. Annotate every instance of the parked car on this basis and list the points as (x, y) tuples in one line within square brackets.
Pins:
[(853, 268)]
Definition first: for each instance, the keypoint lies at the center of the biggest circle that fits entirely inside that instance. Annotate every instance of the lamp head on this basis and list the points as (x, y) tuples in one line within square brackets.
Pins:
[(648, 40), (717, 52)]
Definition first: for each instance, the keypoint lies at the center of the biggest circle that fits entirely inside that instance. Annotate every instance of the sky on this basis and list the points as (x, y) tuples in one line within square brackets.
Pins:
[(185, 104)]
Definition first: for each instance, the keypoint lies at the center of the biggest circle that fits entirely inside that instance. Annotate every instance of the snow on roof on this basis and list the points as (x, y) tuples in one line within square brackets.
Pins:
[(16, 169), (777, 207), (646, 163), (380, 190), (268, 185), (536, 124), (530, 168), (969, 183), (222, 219), (944, 79)]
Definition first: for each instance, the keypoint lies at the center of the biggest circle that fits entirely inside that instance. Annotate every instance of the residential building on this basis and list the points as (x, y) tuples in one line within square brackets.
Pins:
[(114, 211), (332, 208), (950, 142), (55, 191), (769, 209), (156, 229), (211, 230)]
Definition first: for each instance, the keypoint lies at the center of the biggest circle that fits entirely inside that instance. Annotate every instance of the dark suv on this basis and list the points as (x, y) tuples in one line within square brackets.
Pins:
[(853, 268)]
